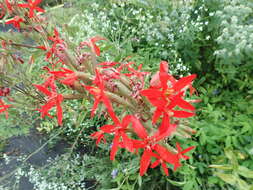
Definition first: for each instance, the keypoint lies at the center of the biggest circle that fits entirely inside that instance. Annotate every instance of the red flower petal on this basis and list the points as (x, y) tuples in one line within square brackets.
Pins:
[(165, 169), (165, 130), (138, 128), (127, 142), (187, 149), (179, 101), (164, 153), (145, 161), (183, 82), (107, 128), (182, 114), (115, 145), (163, 74), (59, 109), (155, 164), (43, 89), (156, 115)]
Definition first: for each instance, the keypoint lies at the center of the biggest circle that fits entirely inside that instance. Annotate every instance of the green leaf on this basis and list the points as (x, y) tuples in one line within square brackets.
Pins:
[(213, 180), (139, 180), (250, 92), (228, 178), (242, 185), (231, 156), (222, 167), (188, 185), (176, 183), (245, 172)]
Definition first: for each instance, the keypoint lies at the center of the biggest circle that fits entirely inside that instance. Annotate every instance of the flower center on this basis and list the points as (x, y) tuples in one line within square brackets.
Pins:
[(167, 93)]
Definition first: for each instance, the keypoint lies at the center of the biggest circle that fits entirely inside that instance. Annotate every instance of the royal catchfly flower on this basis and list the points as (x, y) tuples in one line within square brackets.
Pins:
[(32, 5), (53, 99), (3, 108), (91, 43), (16, 22), (168, 93)]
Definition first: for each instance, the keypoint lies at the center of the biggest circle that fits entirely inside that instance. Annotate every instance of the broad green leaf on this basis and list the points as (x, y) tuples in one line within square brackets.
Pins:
[(188, 185), (228, 178), (242, 184), (231, 156), (245, 172)]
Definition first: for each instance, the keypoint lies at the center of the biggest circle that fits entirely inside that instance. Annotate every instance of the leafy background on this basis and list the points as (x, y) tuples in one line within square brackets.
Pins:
[(212, 38)]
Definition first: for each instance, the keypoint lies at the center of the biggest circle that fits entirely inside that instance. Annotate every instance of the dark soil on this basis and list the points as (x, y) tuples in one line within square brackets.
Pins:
[(24, 146)]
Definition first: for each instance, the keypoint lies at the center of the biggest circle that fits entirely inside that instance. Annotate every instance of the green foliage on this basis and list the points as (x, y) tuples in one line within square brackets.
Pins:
[(210, 37), (233, 173), (14, 127)]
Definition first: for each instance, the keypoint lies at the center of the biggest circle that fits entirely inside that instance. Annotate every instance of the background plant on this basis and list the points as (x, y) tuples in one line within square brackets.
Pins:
[(207, 45)]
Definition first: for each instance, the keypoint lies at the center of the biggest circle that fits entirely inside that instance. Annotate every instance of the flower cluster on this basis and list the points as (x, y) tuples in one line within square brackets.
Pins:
[(3, 108), (235, 37), (147, 118), (12, 7)]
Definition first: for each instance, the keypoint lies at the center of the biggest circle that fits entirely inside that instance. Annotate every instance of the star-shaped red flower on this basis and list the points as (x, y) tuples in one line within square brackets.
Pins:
[(149, 144), (119, 131), (98, 92), (16, 22), (32, 6), (3, 108), (180, 155), (167, 93), (68, 76), (53, 99)]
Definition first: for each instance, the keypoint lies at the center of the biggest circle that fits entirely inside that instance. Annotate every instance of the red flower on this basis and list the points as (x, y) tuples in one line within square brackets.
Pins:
[(99, 135), (3, 108), (99, 96), (56, 37), (163, 157), (53, 99), (137, 73), (57, 41), (106, 65), (180, 155), (16, 22), (132, 74), (9, 6), (32, 6), (42, 48), (91, 43), (165, 97), (149, 144), (119, 131), (68, 76)]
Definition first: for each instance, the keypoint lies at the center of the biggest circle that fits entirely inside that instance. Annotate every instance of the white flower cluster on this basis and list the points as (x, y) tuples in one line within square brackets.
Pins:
[(40, 183), (48, 180), (236, 38), (125, 22)]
